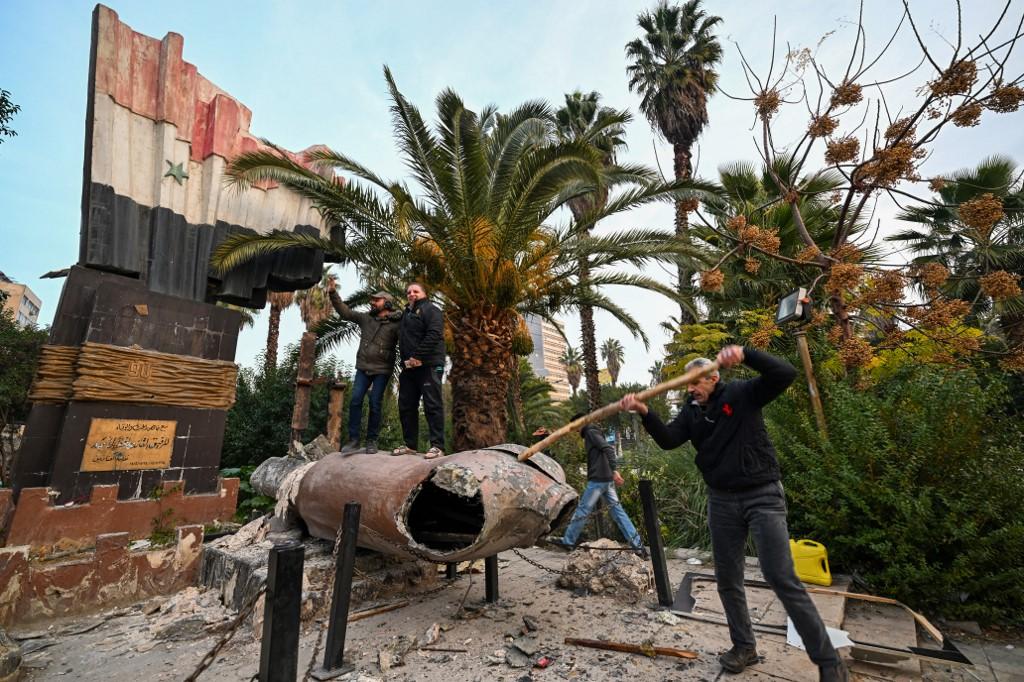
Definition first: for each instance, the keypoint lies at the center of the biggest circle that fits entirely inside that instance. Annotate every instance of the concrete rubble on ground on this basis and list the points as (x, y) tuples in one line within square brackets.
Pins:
[(604, 571)]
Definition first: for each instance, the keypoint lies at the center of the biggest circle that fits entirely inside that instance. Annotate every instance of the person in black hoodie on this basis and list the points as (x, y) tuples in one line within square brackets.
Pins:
[(421, 347), (738, 462), (602, 477)]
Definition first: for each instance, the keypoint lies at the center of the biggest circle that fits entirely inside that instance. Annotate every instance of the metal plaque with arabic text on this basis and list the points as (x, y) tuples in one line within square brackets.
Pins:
[(123, 444)]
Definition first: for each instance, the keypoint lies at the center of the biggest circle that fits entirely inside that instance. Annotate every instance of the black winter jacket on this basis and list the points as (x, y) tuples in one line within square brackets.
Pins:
[(377, 338), (600, 455), (422, 335), (733, 449)]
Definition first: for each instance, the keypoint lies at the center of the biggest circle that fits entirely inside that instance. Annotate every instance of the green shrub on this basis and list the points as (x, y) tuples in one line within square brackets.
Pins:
[(919, 489)]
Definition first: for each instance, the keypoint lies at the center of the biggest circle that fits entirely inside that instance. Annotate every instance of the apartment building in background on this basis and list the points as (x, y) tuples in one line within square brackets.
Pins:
[(548, 347), (21, 301)]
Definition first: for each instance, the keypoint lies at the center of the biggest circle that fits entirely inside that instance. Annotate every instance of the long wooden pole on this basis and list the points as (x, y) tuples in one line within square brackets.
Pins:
[(613, 408)]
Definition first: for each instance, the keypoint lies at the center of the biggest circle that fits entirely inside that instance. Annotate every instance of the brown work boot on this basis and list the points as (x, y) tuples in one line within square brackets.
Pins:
[(736, 659), (833, 673)]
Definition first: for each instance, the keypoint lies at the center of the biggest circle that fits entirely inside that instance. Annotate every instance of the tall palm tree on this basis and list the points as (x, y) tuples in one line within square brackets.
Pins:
[(279, 302), (946, 236), (582, 119), (573, 369), (672, 68), (480, 235), (657, 370), (314, 307), (613, 355)]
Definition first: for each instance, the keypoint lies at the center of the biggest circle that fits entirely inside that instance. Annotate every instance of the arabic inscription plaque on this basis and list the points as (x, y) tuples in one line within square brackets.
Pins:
[(124, 444)]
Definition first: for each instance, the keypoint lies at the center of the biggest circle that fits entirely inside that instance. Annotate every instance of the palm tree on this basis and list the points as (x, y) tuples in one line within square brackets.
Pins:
[(613, 355), (657, 371), (573, 370), (279, 301), (973, 252), (480, 236), (582, 119), (673, 70), (314, 307)]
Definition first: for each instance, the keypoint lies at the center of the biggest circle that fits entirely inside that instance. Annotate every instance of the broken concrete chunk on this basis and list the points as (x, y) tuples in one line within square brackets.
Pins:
[(516, 658), (432, 634), (457, 479), (393, 653), (665, 618), (599, 571)]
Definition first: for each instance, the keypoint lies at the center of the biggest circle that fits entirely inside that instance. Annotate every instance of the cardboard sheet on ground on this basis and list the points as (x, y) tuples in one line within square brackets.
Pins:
[(839, 638)]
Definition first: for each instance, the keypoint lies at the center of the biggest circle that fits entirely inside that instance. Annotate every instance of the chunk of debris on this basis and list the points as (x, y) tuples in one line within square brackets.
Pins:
[(621, 574), (393, 653), (530, 623), (432, 634), (665, 618), (516, 658), (318, 448)]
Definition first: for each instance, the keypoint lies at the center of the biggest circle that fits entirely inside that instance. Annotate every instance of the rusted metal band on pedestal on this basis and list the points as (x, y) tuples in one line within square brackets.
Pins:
[(98, 371), (54, 375)]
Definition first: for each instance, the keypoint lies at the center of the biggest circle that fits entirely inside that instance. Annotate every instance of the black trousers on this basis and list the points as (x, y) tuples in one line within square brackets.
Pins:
[(415, 383)]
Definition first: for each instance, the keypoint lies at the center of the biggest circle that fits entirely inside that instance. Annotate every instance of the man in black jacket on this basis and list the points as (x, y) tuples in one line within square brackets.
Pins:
[(737, 461), (421, 346), (375, 362), (602, 477)]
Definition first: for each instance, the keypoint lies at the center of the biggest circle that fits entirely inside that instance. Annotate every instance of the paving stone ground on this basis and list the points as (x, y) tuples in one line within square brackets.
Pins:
[(114, 649)]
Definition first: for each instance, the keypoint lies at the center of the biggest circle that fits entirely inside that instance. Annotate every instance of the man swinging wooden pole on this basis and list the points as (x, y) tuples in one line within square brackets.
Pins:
[(614, 408)]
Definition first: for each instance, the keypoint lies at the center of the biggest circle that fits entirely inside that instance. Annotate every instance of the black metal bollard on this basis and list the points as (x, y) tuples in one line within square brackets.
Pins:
[(657, 549), (491, 578), (451, 571), (279, 649), (334, 652)]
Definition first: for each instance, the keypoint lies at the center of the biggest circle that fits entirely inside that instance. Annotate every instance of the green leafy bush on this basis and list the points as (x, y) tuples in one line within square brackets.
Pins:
[(919, 489)]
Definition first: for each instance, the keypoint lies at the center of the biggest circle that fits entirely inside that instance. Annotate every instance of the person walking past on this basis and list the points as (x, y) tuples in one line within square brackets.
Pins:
[(602, 478)]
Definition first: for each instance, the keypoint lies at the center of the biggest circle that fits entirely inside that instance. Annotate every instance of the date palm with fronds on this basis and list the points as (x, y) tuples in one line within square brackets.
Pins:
[(672, 68), (613, 355), (582, 119), (279, 302), (480, 233), (571, 361)]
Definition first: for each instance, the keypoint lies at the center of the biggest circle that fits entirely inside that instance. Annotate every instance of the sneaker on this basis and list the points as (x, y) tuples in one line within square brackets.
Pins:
[(561, 543), (833, 673), (371, 447), (351, 446), (433, 453), (642, 553), (404, 450), (736, 659)]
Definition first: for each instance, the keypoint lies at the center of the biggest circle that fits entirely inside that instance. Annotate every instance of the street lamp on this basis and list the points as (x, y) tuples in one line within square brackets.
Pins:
[(795, 307)]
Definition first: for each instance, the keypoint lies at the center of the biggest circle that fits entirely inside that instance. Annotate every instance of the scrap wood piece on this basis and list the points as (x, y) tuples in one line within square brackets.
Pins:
[(685, 601), (643, 649), (949, 654), (367, 613)]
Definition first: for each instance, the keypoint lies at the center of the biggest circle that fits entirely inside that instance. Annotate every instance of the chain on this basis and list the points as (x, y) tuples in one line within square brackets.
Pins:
[(211, 655), (537, 564), (316, 653)]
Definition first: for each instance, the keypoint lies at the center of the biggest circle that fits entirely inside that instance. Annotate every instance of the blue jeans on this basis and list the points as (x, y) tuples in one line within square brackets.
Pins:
[(376, 385), (594, 491)]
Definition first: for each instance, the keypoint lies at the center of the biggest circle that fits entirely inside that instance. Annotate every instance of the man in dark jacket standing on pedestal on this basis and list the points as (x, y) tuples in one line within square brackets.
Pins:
[(737, 461), (375, 362), (421, 346)]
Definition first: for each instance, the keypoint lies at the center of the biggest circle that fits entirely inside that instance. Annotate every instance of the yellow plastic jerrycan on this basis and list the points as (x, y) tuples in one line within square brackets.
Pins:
[(810, 559)]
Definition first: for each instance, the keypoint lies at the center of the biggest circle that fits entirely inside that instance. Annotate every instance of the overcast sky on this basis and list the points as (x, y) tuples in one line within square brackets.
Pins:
[(311, 73)]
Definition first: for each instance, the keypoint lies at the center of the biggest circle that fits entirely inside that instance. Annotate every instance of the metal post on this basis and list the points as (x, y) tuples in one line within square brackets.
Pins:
[(279, 649), (812, 385), (657, 549), (451, 570), (334, 652), (491, 578)]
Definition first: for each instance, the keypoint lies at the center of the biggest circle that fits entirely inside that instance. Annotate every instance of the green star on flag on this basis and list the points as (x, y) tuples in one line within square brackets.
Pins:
[(176, 171)]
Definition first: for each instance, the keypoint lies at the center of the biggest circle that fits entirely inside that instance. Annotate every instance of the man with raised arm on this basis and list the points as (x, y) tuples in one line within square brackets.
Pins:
[(737, 460)]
